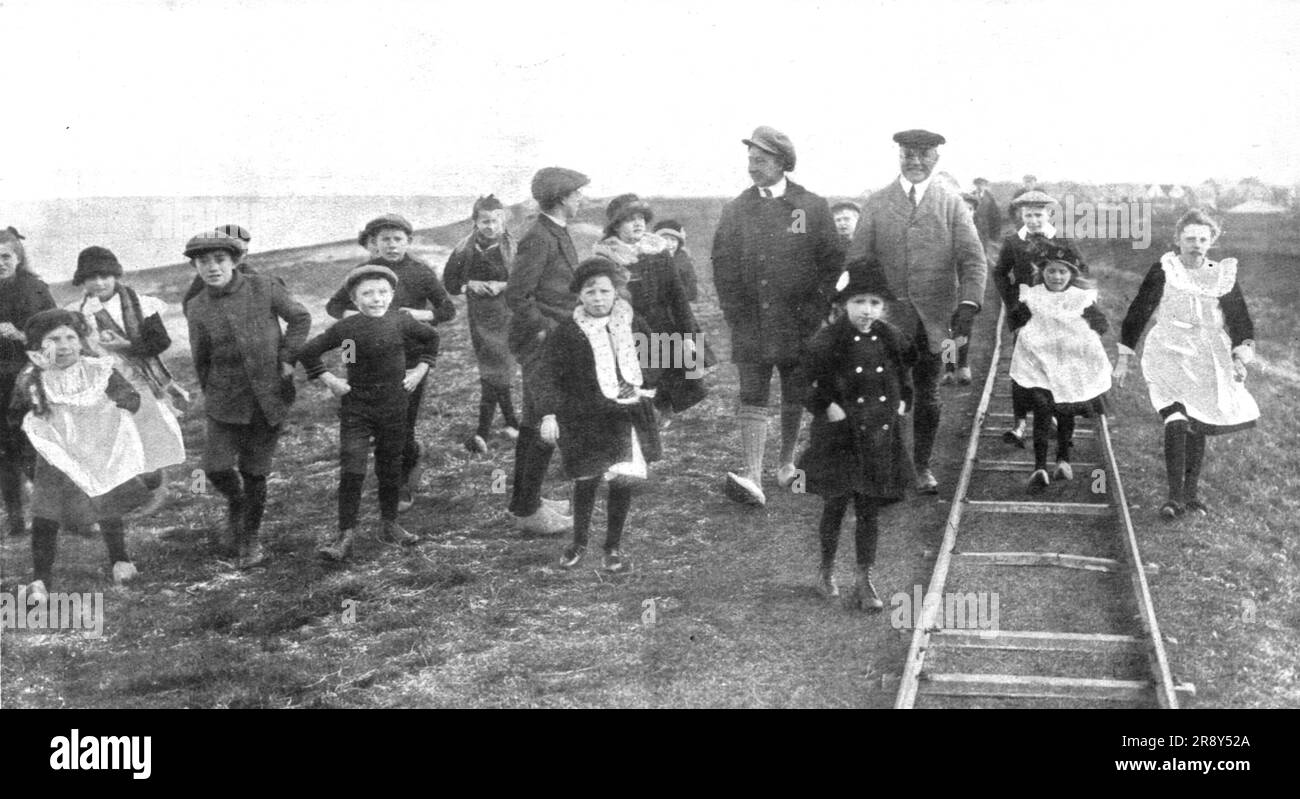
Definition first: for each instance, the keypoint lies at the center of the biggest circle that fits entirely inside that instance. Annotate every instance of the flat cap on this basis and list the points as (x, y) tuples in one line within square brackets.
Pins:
[(380, 222), (369, 270), (919, 138), (771, 140), (214, 240), (552, 183), (1034, 197)]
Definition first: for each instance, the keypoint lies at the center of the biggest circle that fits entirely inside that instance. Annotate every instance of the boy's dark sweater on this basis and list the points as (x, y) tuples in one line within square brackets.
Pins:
[(417, 287), (382, 347)]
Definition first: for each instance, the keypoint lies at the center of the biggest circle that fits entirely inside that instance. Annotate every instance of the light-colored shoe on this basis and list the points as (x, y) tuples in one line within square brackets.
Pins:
[(560, 506), (1039, 479), (405, 499), (571, 557), (615, 563), (743, 490), (544, 521), (1063, 471), (785, 476), (864, 596), (36, 592), (926, 483), (964, 376), (511, 433), (124, 571)]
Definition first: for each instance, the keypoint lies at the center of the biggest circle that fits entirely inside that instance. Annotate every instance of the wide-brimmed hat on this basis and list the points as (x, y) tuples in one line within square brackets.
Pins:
[(396, 221), (1048, 252), (771, 140), (96, 261), (370, 269), (624, 207), (214, 240), (863, 276)]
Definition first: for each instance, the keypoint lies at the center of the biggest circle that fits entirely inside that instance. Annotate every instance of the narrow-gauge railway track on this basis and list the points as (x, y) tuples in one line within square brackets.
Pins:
[(1044, 519)]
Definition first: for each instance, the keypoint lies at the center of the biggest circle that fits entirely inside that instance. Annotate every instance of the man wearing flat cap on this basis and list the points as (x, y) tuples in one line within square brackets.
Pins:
[(775, 261), (539, 298), (924, 236)]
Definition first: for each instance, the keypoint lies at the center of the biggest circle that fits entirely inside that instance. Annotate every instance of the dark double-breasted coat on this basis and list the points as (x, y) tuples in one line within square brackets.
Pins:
[(595, 431), (238, 347), (775, 263), (867, 375)]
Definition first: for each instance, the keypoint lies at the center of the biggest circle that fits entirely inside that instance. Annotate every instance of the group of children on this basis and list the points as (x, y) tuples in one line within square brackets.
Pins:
[(92, 408)]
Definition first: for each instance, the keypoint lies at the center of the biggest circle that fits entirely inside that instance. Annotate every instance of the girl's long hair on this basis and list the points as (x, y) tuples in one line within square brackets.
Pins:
[(1078, 281)]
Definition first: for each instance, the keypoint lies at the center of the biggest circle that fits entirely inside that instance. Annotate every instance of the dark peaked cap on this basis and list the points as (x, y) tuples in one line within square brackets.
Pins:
[(919, 138)]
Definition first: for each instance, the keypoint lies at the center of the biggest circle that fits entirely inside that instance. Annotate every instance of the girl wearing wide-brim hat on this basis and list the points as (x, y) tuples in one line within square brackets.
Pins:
[(859, 369), (128, 328), (658, 299), (1195, 356)]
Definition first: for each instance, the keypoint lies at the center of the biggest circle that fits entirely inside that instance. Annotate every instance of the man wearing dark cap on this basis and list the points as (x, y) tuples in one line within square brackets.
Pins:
[(775, 262), (924, 236), (243, 238), (244, 363), (539, 299)]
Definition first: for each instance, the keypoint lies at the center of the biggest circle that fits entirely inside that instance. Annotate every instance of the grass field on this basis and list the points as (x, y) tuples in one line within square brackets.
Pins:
[(480, 616)]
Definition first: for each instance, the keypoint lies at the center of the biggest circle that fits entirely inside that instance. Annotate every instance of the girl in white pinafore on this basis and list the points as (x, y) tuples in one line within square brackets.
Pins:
[(1059, 364), (1195, 355)]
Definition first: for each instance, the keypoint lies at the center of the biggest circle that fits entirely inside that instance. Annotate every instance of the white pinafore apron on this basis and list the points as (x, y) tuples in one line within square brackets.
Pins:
[(1187, 357), (1056, 349)]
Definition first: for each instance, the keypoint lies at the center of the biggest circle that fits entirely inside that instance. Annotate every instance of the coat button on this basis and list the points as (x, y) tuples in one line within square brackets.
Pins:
[(884, 427), (861, 400), (882, 398), (767, 305), (873, 338), (858, 370), (878, 369), (859, 338), (762, 282)]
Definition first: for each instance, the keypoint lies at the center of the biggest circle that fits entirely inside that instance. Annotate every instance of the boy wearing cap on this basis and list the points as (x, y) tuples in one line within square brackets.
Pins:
[(672, 232), (923, 235), (1035, 240), (775, 262), (846, 216), (374, 397), (244, 238), (420, 294), (539, 296), (244, 363)]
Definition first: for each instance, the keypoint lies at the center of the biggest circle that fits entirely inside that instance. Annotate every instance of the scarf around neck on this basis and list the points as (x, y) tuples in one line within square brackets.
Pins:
[(624, 254), (614, 348)]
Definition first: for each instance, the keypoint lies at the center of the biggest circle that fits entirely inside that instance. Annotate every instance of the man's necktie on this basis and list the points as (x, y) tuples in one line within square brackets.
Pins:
[(767, 193), (911, 194)]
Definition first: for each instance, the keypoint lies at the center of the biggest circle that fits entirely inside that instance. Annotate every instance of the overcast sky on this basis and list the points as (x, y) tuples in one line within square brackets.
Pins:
[(206, 97)]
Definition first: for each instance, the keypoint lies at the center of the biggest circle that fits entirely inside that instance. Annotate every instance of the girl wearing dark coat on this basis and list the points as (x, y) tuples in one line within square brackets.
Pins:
[(859, 368), (593, 397), (22, 295), (480, 266), (658, 299)]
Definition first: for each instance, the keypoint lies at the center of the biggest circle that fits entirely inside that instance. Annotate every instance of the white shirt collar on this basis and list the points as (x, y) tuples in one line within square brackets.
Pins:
[(920, 187), (777, 189), (560, 222), (1049, 231)]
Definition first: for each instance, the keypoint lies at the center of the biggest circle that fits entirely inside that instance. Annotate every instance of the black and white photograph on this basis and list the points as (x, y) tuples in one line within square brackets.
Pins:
[(856, 355)]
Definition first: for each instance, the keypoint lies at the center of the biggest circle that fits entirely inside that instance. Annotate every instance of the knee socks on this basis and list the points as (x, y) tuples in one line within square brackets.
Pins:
[(254, 503), (584, 504), (791, 416), (828, 531), (114, 531), (45, 545), (753, 440), (1176, 457), (616, 509), (349, 499), (867, 531)]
